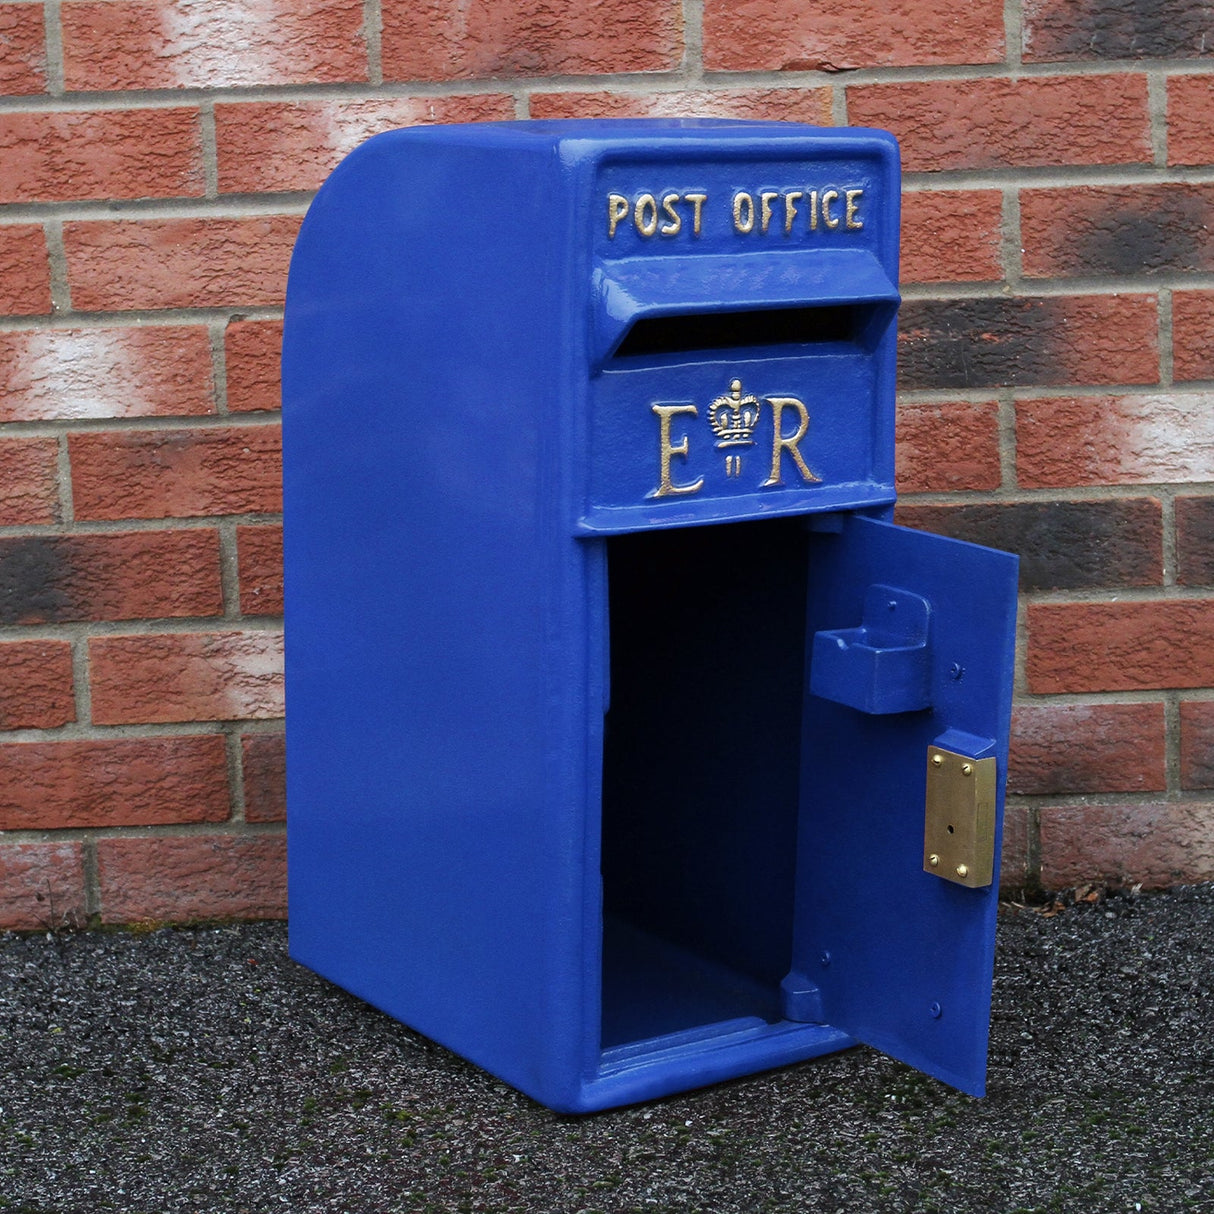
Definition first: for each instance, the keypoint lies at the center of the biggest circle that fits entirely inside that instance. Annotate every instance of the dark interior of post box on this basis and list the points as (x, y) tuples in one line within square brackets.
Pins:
[(759, 327), (701, 774)]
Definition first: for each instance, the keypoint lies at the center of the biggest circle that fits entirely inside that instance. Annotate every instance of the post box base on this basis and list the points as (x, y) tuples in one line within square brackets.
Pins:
[(731, 1049)]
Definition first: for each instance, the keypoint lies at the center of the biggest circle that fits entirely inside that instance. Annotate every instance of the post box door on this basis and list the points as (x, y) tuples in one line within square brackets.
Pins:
[(911, 646)]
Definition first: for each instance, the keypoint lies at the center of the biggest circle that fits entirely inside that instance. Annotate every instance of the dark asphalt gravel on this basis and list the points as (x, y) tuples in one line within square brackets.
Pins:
[(201, 1070)]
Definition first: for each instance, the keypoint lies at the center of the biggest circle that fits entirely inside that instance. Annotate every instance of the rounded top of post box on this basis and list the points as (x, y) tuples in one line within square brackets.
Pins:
[(639, 132)]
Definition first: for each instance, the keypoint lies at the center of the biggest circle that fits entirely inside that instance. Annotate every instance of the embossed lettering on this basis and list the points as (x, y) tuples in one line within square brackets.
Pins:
[(782, 442), (790, 208), (765, 208), (617, 209), (697, 202), (743, 212), (667, 450), (646, 215), (829, 196), (665, 213), (852, 199), (675, 222)]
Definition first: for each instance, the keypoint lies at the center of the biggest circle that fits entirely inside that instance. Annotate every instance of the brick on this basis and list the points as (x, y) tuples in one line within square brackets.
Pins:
[(1014, 865), (994, 123), (29, 491), (259, 557), (294, 145), (69, 374), (1197, 744), (36, 685), (53, 579), (41, 886), (192, 877), (57, 156), (113, 782), (1195, 541), (1190, 120), (176, 473), (1134, 646), (952, 236), (752, 35), (1115, 440), (1157, 844), (1086, 748), (264, 758), (1192, 335), (1081, 231), (1061, 30), (1051, 340), (179, 263), (948, 445), (789, 105), (23, 41), (1062, 545), (426, 40), (166, 44), (201, 676), (25, 271), (253, 352)]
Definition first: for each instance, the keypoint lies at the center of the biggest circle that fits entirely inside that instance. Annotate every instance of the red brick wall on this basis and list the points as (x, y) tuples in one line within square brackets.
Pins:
[(1057, 380)]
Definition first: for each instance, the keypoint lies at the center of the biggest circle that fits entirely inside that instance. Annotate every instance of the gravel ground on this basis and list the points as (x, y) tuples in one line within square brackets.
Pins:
[(201, 1070)]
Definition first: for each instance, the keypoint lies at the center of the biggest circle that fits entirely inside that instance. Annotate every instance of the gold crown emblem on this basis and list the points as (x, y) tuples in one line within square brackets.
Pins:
[(733, 418)]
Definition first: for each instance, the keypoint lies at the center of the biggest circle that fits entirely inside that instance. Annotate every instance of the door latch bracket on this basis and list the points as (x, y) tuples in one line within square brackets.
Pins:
[(959, 833), (882, 666)]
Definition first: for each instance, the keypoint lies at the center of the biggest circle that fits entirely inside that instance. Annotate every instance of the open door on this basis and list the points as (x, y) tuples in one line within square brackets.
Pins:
[(910, 651)]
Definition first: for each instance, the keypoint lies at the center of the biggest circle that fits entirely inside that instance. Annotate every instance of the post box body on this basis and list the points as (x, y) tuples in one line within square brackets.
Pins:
[(612, 692)]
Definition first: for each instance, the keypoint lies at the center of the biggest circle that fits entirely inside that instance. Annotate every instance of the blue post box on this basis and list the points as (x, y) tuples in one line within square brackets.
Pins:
[(631, 747)]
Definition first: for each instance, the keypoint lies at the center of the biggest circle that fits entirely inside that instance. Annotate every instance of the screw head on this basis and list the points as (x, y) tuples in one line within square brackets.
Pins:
[(935, 1011), (825, 958), (967, 769), (963, 870), (933, 860), (937, 760)]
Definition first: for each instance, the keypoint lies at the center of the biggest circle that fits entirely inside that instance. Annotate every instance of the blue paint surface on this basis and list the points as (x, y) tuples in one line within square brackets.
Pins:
[(560, 795)]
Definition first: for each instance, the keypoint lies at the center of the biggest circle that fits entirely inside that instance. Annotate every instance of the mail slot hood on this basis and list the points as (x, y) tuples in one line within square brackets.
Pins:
[(722, 284)]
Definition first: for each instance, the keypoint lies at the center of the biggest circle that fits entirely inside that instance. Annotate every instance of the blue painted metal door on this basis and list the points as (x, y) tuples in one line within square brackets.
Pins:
[(896, 956)]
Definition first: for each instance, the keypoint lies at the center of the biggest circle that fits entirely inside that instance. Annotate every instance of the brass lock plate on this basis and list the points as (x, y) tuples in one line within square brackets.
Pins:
[(959, 834)]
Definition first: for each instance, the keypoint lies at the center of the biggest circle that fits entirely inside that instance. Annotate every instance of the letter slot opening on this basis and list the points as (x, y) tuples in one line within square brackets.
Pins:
[(676, 334), (701, 771)]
